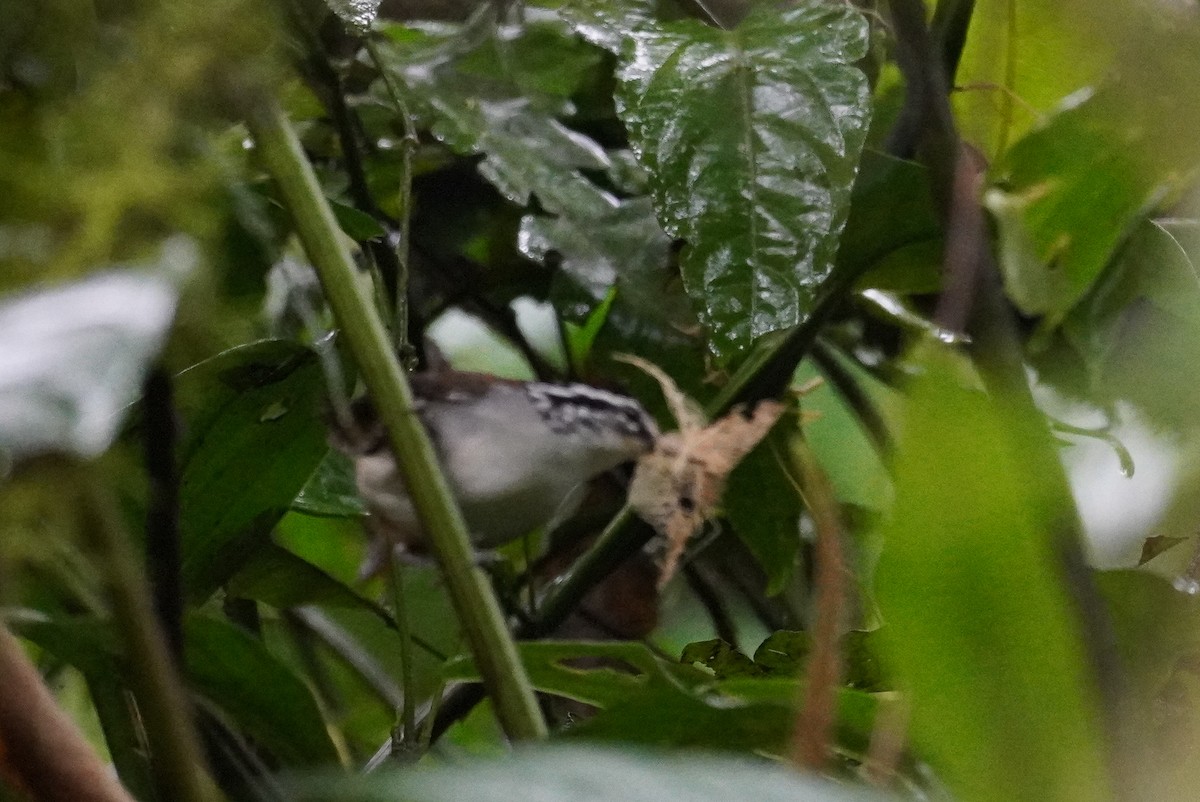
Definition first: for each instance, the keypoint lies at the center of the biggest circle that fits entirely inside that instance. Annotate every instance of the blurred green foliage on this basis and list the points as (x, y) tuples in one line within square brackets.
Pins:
[(667, 187)]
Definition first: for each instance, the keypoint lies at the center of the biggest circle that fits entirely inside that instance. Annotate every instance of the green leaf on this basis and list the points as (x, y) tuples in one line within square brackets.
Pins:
[(589, 774), (255, 441), (483, 91), (1071, 192), (764, 507), (1137, 332), (331, 490), (358, 225), (979, 626), (1017, 65), (720, 657), (277, 577), (891, 212), (752, 139), (623, 247), (74, 356), (781, 654), (257, 690), (357, 15), (598, 674)]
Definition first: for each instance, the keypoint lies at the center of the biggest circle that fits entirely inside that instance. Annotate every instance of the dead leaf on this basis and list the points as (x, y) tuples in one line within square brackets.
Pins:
[(678, 485)]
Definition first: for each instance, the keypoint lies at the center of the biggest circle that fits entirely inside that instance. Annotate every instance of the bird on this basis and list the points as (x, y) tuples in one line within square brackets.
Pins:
[(516, 454)]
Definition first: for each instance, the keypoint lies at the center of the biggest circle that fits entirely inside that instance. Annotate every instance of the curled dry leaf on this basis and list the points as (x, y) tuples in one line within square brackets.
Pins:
[(677, 486)]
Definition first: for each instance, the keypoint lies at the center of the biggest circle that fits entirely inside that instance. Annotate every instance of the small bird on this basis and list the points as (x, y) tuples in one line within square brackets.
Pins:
[(516, 454)]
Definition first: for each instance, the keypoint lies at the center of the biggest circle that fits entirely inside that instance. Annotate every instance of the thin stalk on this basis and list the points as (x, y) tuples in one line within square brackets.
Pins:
[(483, 623), (818, 714), (176, 762), (407, 145), (408, 707)]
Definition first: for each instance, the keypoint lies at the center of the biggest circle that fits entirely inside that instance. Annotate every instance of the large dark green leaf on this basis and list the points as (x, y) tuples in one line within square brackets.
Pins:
[(254, 441), (978, 624), (74, 356), (590, 774), (484, 90), (272, 704), (752, 138)]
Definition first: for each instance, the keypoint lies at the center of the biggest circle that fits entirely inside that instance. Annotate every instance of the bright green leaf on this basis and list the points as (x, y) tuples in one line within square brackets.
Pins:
[(978, 624)]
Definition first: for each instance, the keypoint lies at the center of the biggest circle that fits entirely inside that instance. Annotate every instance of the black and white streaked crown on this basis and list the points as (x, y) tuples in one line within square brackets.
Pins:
[(569, 408)]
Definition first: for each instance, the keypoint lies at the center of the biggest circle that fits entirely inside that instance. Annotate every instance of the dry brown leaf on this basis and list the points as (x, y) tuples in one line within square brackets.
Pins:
[(678, 485)]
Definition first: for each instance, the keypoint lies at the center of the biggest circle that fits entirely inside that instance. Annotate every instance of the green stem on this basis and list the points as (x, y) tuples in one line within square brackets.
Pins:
[(407, 145), (176, 760), (408, 711), (483, 623)]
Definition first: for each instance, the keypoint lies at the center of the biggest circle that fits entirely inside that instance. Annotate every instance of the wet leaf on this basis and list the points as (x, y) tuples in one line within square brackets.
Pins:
[(752, 138), (484, 93)]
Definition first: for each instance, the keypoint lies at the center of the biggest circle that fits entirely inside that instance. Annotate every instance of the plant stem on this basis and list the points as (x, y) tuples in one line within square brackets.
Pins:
[(407, 145), (817, 715), (176, 760), (483, 623), (408, 711)]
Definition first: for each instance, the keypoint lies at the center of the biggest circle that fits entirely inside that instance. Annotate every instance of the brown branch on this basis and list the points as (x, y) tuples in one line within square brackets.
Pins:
[(42, 753), (817, 715), (887, 743)]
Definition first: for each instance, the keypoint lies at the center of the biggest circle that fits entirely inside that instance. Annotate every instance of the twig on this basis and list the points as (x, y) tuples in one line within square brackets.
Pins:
[(403, 244), (887, 743), (482, 620), (827, 359), (816, 718), (408, 708), (42, 753), (163, 546), (176, 760), (710, 600)]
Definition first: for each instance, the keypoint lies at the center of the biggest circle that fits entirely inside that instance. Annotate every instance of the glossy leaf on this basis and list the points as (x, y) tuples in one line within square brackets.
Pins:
[(590, 774), (752, 139), (74, 356), (237, 673), (331, 490), (979, 626), (357, 15), (624, 247), (254, 443), (483, 93)]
